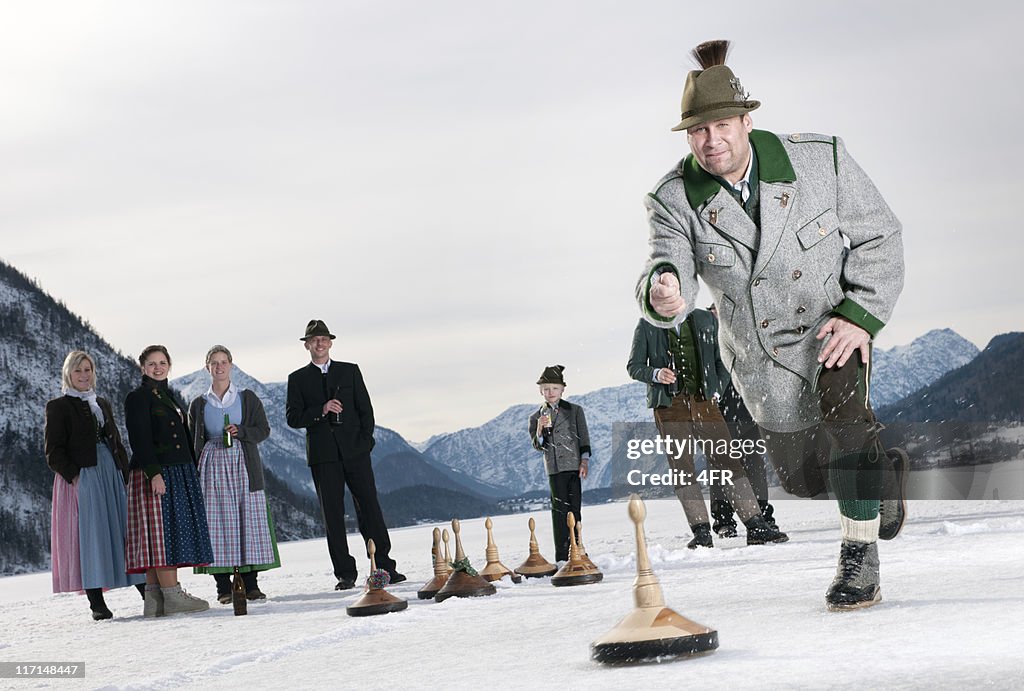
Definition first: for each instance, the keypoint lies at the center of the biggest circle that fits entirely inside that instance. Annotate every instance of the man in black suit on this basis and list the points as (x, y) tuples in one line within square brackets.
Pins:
[(329, 400)]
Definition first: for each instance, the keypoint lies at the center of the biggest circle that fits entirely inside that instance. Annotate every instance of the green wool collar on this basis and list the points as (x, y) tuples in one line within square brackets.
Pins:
[(773, 165)]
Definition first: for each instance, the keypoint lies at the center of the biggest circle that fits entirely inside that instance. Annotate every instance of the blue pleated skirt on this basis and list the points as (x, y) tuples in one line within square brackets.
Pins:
[(102, 522), (167, 531)]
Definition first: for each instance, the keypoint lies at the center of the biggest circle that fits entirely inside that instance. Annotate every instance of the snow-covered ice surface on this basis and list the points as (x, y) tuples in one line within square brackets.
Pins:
[(952, 614)]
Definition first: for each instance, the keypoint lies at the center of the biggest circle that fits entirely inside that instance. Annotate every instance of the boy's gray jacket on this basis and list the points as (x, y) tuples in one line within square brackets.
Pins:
[(827, 245), (569, 437)]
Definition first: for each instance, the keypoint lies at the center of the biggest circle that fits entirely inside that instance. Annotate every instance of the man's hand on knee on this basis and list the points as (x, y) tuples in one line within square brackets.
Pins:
[(665, 297), (847, 338)]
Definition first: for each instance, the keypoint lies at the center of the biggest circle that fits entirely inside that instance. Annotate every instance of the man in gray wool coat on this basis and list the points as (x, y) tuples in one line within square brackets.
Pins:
[(805, 261)]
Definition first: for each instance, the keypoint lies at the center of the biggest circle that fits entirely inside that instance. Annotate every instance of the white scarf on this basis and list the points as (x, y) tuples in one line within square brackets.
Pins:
[(229, 397), (90, 398)]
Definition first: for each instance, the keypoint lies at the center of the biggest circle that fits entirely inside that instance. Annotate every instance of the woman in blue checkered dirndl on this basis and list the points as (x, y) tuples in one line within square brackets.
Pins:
[(227, 424)]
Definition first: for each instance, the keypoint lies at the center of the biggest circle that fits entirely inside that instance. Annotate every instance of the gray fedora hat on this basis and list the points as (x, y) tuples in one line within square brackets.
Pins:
[(316, 327)]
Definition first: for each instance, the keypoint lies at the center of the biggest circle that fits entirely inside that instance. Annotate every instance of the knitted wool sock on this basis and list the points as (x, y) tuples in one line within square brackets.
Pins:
[(856, 479), (860, 531)]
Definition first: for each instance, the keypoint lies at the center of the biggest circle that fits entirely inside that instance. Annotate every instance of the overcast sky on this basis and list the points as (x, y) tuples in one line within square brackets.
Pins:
[(456, 187)]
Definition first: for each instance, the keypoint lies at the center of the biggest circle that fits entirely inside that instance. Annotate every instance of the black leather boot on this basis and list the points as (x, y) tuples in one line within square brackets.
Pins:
[(759, 532), (856, 582), (701, 536), (97, 604), (893, 507)]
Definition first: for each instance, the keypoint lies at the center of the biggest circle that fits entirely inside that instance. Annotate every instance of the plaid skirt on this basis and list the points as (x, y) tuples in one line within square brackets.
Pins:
[(239, 527), (170, 530)]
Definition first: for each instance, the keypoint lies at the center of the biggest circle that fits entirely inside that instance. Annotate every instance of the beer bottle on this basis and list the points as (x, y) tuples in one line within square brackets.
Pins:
[(335, 418), (548, 431), (238, 600), (673, 388), (227, 437)]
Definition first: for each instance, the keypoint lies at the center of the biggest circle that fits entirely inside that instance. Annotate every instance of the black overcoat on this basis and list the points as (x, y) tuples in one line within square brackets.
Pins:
[(308, 390), (157, 429)]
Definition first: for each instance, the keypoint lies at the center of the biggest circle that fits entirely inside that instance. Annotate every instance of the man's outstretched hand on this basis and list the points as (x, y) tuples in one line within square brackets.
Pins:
[(665, 297)]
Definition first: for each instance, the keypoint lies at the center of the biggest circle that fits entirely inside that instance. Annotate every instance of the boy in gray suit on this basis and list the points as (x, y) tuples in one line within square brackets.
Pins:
[(559, 429)]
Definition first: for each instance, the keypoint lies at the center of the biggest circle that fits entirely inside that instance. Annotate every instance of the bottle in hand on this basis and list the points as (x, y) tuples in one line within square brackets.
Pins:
[(227, 436), (546, 432), (238, 600), (335, 418), (673, 388)]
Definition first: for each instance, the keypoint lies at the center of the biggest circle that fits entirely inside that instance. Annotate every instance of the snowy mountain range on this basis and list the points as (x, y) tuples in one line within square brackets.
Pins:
[(499, 451), (985, 390), (900, 371), (396, 463), (466, 471)]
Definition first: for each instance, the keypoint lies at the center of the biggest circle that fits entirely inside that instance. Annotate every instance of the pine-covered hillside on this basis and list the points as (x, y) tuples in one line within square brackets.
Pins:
[(987, 389), (971, 416), (36, 333)]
